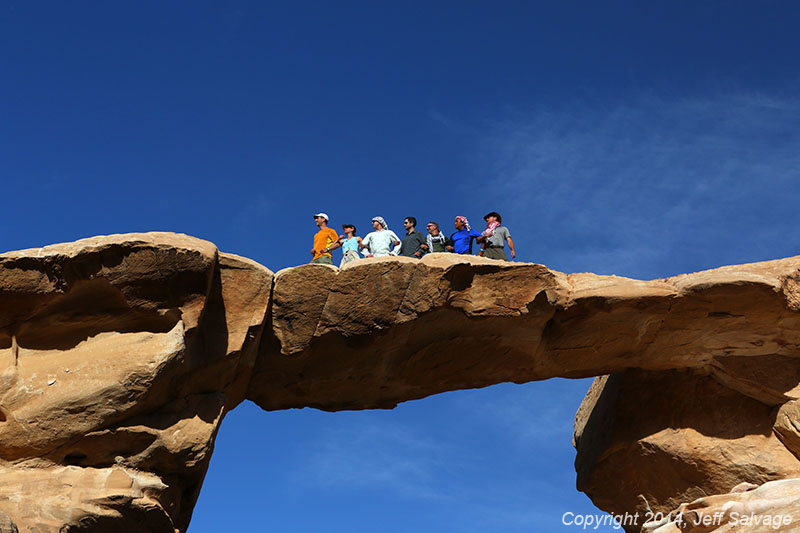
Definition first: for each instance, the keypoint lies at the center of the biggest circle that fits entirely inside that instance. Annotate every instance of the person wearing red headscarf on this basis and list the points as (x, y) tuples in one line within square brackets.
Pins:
[(462, 237)]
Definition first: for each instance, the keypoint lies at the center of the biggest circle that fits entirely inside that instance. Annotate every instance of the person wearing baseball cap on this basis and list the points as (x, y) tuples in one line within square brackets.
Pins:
[(325, 241)]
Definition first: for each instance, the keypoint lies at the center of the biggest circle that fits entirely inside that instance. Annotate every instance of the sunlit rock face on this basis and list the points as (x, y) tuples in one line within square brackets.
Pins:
[(120, 355), (661, 439)]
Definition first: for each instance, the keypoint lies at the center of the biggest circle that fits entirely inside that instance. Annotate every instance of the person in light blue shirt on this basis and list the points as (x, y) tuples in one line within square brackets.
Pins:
[(379, 243), (463, 236), (350, 244)]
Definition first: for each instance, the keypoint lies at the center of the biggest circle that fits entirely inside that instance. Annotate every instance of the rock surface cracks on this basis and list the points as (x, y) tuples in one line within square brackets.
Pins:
[(120, 355)]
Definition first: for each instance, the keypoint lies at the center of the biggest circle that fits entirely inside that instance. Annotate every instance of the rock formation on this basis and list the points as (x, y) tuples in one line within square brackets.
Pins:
[(120, 355)]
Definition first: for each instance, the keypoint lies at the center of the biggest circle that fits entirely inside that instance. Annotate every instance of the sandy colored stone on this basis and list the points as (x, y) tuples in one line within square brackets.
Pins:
[(672, 437), (773, 506), (71, 498), (394, 329), (787, 426), (770, 379), (401, 328), (120, 356)]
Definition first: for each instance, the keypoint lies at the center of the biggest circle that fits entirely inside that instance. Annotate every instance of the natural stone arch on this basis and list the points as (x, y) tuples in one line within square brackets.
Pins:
[(121, 355)]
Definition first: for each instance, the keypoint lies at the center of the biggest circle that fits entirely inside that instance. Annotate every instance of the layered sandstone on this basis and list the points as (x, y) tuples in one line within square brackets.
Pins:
[(120, 355)]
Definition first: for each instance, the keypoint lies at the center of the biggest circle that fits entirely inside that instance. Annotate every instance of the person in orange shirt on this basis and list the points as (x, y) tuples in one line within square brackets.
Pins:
[(325, 241)]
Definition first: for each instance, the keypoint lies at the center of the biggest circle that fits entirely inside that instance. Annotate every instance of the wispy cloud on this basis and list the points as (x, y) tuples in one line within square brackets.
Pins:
[(531, 416), (627, 188), (496, 459), (451, 124), (473, 454), (385, 455)]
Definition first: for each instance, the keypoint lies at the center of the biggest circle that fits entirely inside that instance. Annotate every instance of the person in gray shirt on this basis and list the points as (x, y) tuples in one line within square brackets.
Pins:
[(494, 239), (414, 244)]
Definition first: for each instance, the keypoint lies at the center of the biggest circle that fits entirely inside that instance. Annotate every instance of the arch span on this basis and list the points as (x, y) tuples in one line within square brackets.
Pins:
[(116, 425)]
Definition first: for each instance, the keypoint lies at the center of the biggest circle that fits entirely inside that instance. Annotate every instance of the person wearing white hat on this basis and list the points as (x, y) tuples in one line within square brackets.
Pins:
[(379, 243), (325, 241)]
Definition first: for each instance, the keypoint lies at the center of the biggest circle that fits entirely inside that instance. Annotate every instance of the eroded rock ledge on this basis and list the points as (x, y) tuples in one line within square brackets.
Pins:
[(120, 355)]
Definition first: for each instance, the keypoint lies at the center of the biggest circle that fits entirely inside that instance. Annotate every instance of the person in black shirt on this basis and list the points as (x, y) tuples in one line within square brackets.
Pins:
[(414, 244)]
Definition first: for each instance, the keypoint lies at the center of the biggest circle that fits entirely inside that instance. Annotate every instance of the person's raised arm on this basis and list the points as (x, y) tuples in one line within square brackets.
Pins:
[(333, 242), (331, 247)]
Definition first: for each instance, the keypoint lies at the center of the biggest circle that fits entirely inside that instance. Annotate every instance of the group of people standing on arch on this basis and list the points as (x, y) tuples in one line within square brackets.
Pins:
[(384, 242)]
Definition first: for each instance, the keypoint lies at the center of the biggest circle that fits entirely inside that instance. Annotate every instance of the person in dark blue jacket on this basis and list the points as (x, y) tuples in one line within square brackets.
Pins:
[(463, 236)]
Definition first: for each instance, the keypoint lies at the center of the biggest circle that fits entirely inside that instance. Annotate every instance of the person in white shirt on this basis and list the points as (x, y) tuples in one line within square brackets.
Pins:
[(379, 243)]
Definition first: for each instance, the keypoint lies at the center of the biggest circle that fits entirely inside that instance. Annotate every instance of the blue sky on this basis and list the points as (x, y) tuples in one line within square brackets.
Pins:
[(644, 139)]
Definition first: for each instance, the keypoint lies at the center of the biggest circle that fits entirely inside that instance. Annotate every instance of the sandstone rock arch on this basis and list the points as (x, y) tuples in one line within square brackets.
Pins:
[(120, 355)]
